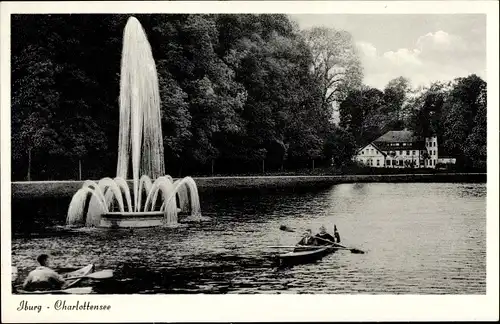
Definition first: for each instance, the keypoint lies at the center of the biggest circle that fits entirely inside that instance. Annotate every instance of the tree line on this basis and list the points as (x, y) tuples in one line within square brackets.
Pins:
[(239, 93), (453, 111)]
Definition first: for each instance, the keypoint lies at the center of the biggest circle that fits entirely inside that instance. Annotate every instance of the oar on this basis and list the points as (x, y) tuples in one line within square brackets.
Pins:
[(73, 291), (104, 274), (296, 246), (78, 290), (353, 250)]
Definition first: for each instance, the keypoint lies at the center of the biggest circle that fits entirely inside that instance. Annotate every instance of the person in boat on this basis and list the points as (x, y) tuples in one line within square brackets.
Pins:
[(308, 239), (323, 236), (43, 277)]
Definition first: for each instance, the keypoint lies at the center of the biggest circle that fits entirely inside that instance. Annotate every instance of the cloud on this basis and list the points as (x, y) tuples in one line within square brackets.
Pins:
[(437, 56), (404, 57), (441, 41), (367, 49)]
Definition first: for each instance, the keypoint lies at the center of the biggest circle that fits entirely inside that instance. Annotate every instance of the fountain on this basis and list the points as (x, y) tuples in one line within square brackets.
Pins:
[(110, 202)]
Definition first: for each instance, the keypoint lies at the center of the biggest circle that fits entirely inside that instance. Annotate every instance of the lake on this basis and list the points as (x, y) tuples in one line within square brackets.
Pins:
[(419, 238)]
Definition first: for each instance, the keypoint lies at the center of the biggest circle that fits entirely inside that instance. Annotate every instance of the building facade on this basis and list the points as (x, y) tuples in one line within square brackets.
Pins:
[(400, 149)]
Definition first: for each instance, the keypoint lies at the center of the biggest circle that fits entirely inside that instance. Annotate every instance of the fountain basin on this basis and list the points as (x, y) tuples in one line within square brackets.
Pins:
[(131, 219)]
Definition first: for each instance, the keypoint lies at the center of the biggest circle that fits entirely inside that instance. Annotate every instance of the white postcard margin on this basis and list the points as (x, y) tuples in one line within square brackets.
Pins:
[(209, 308)]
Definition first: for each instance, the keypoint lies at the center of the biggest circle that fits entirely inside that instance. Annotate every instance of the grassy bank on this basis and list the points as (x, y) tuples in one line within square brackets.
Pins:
[(54, 189)]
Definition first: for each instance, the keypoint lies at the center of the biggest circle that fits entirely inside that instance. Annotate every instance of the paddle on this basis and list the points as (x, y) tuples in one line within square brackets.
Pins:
[(77, 291), (297, 246), (73, 291), (353, 250), (104, 274)]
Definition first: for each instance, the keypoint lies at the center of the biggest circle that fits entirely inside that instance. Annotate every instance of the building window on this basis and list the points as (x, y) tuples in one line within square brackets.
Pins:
[(413, 152), (387, 162), (407, 152), (400, 162), (378, 162)]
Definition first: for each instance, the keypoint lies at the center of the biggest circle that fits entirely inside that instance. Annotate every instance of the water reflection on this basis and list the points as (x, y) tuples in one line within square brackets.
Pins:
[(420, 238)]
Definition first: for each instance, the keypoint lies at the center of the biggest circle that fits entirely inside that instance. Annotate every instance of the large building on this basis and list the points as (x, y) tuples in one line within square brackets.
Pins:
[(400, 149)]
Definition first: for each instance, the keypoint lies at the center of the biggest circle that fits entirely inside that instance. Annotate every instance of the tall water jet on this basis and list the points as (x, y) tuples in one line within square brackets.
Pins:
[(140, 119), (140, 148)]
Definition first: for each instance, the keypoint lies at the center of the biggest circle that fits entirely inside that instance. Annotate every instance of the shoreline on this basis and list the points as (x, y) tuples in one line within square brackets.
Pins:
[(66, 188)]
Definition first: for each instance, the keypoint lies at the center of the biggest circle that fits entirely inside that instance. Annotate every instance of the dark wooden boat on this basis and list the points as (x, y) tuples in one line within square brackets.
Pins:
[(307, 255)]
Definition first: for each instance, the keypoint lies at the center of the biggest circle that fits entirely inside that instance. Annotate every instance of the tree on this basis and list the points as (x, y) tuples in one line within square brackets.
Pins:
[(336, 64), (395, 97), (209, 101), (464, 117), (283, 108), (475, 146), (176, 118), (340, 146), (427, 111), (237, 90), (361, 114), (51, 122)]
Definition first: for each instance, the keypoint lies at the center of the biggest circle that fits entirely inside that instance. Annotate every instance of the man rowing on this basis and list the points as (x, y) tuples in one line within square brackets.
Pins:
[(307, 240), (43, 277), (323, 237)]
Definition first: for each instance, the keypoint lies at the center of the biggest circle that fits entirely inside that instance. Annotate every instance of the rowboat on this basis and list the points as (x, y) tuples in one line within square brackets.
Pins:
[(306, 256), (69, 291), (67, 287)]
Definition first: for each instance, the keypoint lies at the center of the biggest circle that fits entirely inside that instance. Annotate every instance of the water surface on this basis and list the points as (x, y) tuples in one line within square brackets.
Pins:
[(420, 238)]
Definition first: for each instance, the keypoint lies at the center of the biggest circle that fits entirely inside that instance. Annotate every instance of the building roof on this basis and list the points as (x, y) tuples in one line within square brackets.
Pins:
[(398, 136), (411, 141), (372, 144)]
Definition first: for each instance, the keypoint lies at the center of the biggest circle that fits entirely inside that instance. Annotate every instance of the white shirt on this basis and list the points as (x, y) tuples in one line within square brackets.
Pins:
[(43, 278)]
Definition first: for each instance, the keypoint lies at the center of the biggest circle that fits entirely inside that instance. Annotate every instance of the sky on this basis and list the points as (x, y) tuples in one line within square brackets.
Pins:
[(424, 48)]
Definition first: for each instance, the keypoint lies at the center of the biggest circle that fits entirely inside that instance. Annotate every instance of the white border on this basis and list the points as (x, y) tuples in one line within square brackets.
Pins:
[(185, 308)]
